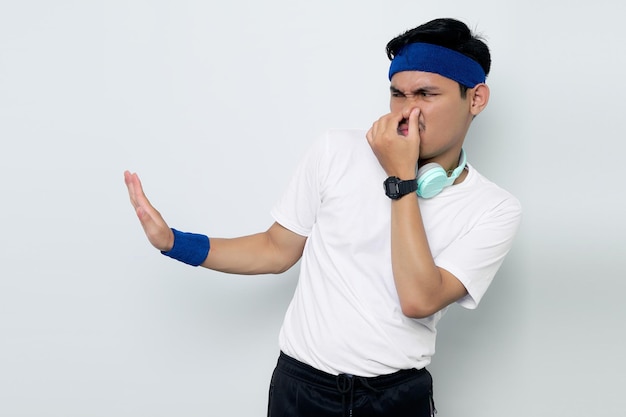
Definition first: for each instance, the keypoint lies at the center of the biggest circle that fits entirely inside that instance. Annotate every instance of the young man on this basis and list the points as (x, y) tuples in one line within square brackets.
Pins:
[(392, 226)]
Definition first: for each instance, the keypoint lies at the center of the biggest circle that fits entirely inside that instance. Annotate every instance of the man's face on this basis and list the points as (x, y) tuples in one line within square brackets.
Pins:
[(444, 117)]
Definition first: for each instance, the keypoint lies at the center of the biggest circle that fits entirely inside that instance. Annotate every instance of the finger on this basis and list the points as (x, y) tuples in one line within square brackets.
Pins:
[(146, 219), (375, 129), (392, 120), (149, 217), (387, 125), (136, 193), (156, 230), (129, 179), (151, 221)]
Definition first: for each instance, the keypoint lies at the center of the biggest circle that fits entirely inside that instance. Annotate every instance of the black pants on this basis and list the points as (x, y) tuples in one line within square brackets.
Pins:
[(299, 390)]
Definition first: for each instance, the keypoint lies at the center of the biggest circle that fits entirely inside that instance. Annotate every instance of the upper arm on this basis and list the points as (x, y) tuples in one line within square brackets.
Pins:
[(426, 303), (287, 245), (475, 257), (452, 290)]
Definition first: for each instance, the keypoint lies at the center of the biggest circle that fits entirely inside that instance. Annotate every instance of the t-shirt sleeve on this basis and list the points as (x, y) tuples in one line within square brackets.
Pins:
[(297, 208), (476, 256)]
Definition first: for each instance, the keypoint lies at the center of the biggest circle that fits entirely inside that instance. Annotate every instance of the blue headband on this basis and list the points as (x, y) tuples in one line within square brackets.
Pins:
[(440, 60)]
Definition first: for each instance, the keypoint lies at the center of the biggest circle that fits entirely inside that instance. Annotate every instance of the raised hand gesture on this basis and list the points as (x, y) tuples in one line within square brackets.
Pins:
[(157, 231)]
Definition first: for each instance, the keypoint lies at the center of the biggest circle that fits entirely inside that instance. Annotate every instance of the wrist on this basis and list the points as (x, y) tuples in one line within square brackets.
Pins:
[(404, 174), (189, 248), (170, 241), (396, 188)]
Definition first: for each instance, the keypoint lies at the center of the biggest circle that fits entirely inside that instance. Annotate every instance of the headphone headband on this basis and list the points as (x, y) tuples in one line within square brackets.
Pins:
[(457, 171)]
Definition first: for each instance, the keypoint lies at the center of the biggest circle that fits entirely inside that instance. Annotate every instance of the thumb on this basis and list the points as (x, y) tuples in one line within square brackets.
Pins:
[(414, 131), (142, 214)]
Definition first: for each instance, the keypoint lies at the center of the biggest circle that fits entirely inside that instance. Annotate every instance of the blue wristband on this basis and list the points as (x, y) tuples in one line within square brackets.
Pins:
[(190, 248)]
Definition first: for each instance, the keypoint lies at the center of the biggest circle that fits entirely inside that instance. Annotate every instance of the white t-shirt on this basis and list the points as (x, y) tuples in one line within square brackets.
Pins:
[(345, 316)]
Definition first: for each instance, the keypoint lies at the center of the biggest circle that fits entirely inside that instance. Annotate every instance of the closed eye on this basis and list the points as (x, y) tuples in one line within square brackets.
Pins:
[(426, 92), (396, 93)]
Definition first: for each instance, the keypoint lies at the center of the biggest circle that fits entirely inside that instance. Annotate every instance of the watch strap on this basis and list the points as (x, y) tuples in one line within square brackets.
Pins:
[(407, 186)]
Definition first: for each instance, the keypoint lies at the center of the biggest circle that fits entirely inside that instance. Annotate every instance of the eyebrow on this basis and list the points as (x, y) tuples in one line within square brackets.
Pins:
[(426, 89)]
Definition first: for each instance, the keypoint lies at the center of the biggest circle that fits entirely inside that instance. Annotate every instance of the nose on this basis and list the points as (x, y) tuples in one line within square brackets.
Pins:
[(408, 107)]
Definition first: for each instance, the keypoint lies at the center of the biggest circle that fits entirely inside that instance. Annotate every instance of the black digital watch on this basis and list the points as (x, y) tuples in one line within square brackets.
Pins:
[(396, 188)]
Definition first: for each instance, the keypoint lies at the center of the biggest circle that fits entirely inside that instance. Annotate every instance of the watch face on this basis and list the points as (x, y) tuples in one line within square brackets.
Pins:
[(392, 188), (396, 188)]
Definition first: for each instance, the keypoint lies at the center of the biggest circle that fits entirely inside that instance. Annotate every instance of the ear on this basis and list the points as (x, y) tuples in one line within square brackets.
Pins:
[(479, 97)]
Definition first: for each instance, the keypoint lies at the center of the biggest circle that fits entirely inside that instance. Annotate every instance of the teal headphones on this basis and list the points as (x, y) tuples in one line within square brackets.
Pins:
[(432, 178)]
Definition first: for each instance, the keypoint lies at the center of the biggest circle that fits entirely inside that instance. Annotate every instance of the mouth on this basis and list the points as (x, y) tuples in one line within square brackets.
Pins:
[(403, 127)]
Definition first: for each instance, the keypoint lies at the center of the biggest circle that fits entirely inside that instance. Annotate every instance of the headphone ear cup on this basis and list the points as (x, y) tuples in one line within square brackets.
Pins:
[(431, 180)]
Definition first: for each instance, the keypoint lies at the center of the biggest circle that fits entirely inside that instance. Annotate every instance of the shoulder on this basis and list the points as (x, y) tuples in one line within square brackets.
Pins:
[(336, 151), (333, 139), (342, 138), (491, 201), (474, 201), (488, 190), (340, 144)]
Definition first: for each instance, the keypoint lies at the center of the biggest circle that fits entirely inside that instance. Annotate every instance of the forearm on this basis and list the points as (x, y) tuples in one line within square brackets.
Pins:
[(423, 288), (415, 273), (271, 252), (245, 255)]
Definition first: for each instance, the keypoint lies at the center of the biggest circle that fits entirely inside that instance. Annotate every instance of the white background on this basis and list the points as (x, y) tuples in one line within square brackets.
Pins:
[(213, 103)]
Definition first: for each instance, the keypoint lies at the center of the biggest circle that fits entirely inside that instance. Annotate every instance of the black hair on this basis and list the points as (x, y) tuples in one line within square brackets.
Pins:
[(449, 33)]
